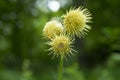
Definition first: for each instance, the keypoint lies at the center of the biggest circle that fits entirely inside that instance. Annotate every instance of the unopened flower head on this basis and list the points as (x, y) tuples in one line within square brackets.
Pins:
[(52, 28), (75, 22), (61, 45)]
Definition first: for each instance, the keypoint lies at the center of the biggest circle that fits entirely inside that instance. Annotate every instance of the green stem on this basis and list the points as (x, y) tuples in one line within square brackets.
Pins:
[(60, 68)]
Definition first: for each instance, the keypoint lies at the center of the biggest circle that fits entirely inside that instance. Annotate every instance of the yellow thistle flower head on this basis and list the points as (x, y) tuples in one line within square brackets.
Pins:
[(75, 22), (61, 45), (52, 28)]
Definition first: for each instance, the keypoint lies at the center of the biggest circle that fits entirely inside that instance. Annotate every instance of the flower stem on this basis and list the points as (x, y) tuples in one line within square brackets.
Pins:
[(60, 68)]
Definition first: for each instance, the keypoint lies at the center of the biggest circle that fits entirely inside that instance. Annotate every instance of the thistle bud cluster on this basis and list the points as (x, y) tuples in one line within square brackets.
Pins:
[(61, 31)]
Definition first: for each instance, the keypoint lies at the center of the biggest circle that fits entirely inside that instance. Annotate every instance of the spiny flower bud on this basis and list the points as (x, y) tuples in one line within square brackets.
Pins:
[(61, 45), (75, 22), (52, 28)]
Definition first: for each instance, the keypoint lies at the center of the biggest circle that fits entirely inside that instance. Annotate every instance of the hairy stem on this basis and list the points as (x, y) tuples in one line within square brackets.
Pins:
[(60, 69)]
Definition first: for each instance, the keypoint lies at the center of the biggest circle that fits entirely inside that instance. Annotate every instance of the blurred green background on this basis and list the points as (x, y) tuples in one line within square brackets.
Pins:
[(22, 48)]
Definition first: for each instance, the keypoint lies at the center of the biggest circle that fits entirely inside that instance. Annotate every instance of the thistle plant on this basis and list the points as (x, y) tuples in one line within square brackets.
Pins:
[(52, 28), (61, 32), (75, 22), (61, 46)]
